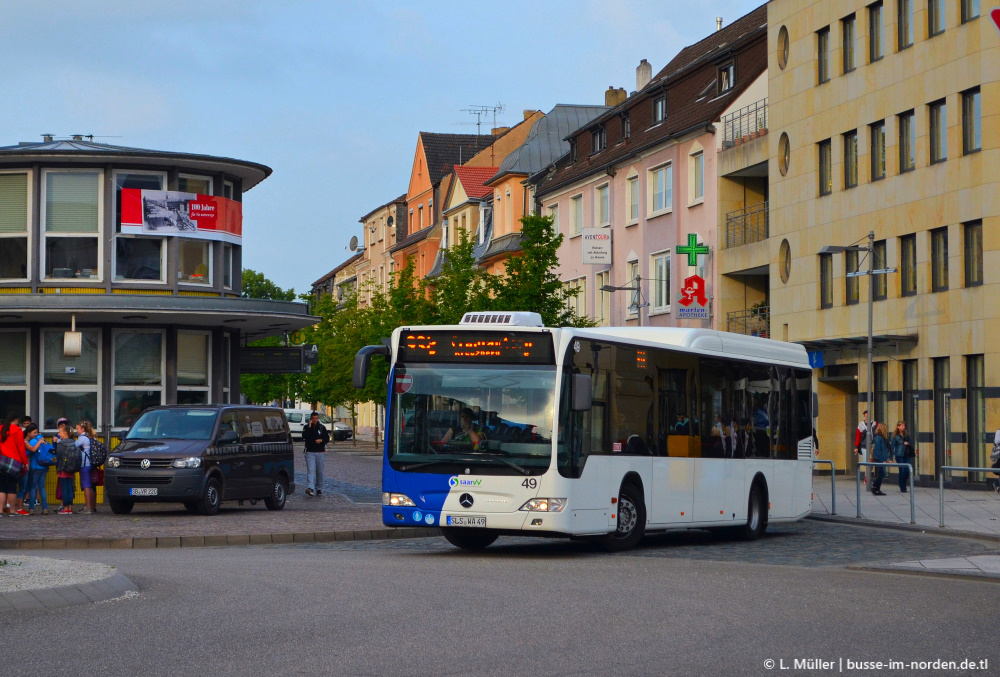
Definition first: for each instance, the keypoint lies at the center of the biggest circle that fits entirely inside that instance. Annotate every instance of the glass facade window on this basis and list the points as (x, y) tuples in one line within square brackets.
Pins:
[(633, 199), (972, 127), (576, 214), (880, 393), (939, 259), (192, 359), (825, 167), (881, 282), (603, 211), (851, 287), (973, 254), (911, 397), (660, 189), (14, 226), (227, 368), (826, 280), (942, 410), (661, 282), (194, 265), (698, 176), (823, 55), (851, 159), (659, 109), (188, 183), (908, 265), (70, 384), (603, 298), (907, 142), (980, 442), (876, 49), (72, 204), (904, 24), (935, 17), (139, 258), (847, 33), (877, 132), (139, 180), (13, 372), (227, 266), (633, 281), (138, 374), (970, 10), (938, 131)]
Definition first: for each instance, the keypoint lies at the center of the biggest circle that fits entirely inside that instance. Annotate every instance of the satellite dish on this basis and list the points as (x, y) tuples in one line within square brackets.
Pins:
[(354, 243)]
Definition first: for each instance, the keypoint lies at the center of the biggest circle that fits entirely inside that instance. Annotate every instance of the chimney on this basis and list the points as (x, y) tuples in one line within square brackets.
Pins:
[(718, 24), (643, 74), (528, 113), (47, 138), (78, 137), (498, 131), (613, 96)]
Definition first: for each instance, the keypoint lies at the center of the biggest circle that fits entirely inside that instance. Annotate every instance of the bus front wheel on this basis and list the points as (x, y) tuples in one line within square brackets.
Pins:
[(631, 521), (469, 539), (756, 515)]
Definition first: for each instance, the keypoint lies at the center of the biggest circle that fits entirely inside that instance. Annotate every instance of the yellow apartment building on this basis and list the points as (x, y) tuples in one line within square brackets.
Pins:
[(883, 118)]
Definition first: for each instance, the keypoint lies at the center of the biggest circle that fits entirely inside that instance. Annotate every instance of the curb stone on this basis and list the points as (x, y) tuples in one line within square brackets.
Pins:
[(101, 590), (912, 528), (942, 573), (282, 538)]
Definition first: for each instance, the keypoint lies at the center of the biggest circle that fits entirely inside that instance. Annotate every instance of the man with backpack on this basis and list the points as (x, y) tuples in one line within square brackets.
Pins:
[(41, 456), (69, 460)]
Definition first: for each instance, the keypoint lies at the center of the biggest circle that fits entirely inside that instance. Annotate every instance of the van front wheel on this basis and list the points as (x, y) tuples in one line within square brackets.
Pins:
[(121, 506), (279, 492)]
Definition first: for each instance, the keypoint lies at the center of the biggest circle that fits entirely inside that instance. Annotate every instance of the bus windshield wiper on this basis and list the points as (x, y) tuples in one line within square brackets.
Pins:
[(515, 466)]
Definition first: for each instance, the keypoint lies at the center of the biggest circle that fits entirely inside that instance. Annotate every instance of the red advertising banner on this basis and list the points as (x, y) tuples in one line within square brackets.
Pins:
[(167, 212)]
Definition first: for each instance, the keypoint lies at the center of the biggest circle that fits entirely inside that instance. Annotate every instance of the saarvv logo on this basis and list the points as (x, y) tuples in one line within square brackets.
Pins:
[(462, 482)]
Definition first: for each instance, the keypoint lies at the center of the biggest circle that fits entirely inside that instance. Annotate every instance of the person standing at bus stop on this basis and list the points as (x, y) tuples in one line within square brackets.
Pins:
[(902, 451), (316, 437), (861, 441)]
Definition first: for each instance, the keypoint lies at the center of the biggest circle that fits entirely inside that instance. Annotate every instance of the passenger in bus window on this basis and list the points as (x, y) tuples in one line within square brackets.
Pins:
[(683, 425)]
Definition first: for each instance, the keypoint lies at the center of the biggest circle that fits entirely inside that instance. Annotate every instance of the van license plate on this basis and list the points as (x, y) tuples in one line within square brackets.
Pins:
[(142, 492), (466, 521)]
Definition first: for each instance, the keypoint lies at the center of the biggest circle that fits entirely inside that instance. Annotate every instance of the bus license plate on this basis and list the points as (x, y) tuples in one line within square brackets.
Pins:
[(466, 521), (142, 492)]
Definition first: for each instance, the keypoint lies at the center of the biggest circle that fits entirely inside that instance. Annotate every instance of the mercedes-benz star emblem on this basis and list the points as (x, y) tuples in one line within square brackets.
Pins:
[(466, 500), (144, 464)]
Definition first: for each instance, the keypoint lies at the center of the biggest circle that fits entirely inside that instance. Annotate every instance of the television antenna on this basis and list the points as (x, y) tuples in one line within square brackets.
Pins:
[(481, 111)]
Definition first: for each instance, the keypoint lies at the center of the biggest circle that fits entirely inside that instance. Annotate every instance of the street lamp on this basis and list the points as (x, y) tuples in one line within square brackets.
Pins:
[(639, 305), (871, 272)]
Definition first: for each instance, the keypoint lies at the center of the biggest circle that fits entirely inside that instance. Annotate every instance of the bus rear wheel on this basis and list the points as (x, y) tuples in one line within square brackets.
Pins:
[(756, 515), (469, 539), (631, 521)]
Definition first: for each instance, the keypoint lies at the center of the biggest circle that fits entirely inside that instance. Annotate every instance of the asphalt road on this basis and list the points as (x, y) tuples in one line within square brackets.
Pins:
[(678, 605)]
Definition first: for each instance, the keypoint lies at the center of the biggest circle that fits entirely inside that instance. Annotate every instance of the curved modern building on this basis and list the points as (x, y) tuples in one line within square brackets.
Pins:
[(120, 274)]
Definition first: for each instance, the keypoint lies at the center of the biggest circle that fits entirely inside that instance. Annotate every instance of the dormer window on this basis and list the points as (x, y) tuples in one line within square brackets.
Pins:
[(727, 77), (659, 108), (599, 139), (626, 126), (572, 150)]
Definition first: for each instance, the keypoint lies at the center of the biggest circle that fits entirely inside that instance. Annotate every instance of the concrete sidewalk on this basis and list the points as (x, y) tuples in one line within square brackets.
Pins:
[(965, 510)]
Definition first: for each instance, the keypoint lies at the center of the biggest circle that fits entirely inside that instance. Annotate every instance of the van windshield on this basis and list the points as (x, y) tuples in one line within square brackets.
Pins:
[(174, 424)]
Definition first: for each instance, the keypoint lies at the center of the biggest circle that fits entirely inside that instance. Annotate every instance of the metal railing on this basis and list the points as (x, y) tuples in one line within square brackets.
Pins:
[(913, 503), (745, 124), (750, 224), (941, 484), (750, 322), (833, 483)]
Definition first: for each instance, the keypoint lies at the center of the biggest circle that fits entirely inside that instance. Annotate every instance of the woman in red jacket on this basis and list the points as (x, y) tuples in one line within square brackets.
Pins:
[(12, 446)]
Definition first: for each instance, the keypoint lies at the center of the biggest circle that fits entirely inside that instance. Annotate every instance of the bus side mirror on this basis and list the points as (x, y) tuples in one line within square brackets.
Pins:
[(583, 396), (363, 361)]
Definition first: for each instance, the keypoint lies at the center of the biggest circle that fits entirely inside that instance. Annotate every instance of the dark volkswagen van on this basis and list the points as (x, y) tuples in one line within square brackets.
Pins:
[(201, 455)]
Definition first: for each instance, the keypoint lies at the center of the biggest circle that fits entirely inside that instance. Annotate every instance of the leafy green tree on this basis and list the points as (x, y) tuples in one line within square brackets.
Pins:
[(263, 388), (462, 285), (529, 283)]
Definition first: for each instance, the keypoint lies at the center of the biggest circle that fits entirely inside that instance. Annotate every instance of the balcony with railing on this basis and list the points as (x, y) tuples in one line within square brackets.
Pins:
[(750, 322), (747, 225), (745, 124)]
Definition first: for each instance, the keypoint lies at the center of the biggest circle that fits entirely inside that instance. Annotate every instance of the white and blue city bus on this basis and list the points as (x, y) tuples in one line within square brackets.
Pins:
[(499, 425)]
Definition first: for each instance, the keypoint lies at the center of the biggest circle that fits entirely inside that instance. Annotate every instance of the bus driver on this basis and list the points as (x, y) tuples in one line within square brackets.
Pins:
[(467, 431)]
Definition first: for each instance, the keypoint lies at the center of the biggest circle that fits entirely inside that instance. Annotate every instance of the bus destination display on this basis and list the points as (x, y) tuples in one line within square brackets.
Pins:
[(476, 346)]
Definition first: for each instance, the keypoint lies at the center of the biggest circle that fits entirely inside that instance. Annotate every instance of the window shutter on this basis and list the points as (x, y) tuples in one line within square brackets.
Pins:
[(192, 359), (13, 358), (71, 202), (13, 203)]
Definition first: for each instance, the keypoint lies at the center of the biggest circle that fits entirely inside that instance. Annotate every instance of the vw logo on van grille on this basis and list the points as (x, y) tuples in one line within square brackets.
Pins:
[(466, 500), (144, 464)]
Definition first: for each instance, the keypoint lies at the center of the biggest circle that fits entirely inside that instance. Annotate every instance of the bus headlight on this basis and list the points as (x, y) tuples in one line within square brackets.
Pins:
[(397, 500), (544, 505), (187, 463)]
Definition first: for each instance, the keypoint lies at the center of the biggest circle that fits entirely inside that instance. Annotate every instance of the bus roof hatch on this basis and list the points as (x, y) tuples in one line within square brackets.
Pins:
[(509, 319)]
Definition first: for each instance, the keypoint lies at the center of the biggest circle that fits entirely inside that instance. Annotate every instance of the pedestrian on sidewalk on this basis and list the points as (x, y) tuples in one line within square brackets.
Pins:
[(36, 447), (880, 454), (11, 446), (316, 437), (861, 441), (67, 465), (995, 457), (902, 451), (84, 436)]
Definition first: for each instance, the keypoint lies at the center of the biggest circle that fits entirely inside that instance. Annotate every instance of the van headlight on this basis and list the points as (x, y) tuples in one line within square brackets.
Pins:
[(544, 505), (114, 461), (187, 462), (397, 500)]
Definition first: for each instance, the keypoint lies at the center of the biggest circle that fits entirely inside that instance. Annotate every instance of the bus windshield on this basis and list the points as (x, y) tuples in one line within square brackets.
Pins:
[(484, 419)]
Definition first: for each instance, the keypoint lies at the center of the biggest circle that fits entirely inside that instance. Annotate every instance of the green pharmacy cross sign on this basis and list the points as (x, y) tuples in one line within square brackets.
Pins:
[(693, 249)]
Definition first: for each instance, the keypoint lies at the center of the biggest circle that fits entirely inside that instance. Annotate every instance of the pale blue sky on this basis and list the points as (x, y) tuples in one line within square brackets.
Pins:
[(330, 95)]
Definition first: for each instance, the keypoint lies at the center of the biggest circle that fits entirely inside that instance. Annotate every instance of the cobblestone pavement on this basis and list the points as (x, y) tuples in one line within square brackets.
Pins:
[(351, 500), (802, 544)]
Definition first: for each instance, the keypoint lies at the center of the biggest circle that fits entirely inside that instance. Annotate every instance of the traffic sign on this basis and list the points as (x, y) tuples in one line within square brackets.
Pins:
[(297, 338), (403, 383), (995, 17)]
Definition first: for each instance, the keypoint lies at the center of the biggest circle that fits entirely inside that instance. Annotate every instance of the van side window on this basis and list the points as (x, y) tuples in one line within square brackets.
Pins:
[(228, 422), (258, 425)]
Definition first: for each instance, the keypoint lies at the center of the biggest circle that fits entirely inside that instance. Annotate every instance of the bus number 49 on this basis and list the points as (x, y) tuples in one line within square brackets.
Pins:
[(531, 483)]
